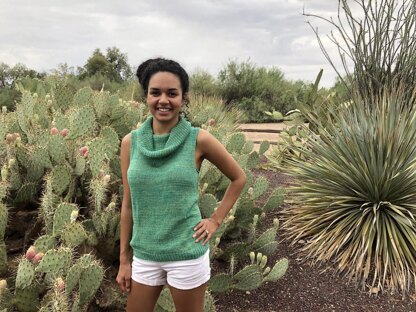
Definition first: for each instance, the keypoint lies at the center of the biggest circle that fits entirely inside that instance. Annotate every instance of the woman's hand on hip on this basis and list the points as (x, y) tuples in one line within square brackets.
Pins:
[(205, 230)]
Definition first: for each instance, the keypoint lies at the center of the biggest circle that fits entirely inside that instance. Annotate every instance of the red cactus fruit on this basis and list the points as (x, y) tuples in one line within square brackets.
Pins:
[(36, 259), (211, 122), (54, 131), (31, 253), (9, 138), (64, 132), (83, 150)]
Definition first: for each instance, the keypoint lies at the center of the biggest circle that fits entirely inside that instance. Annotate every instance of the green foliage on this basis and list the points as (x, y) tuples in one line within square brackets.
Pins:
[(258, 89), (355, 193), (203, 84)]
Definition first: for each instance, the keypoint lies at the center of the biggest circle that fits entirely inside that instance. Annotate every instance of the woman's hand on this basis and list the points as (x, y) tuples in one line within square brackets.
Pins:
[(205, 229), (124, 276)]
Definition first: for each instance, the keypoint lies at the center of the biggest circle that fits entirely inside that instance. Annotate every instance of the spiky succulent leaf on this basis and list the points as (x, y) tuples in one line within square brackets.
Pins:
[(278, 270)]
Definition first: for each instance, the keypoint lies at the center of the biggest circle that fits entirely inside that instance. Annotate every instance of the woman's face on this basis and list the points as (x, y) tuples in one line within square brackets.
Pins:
[(164, 96)]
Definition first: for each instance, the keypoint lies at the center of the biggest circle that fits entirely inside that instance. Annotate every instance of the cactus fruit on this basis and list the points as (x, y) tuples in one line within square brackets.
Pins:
[(64, 132), (54, 131), (37, 258), (30, 253)]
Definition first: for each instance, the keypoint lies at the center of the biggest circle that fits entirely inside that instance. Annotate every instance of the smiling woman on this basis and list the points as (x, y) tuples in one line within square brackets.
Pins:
[(163, 238)]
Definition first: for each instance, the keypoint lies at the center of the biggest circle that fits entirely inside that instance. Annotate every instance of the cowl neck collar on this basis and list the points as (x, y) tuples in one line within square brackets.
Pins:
[(176, 137)]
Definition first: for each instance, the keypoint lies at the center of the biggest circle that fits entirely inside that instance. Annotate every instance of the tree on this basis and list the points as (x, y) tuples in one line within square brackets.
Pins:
[(113, 65)]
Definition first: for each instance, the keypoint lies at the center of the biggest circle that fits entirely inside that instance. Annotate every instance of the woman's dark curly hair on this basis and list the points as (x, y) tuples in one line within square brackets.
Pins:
[(152, 66)]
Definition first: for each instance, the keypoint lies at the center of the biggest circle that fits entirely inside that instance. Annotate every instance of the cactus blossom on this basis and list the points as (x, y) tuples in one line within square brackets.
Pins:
[(37, 258), (64, 132), (4, 109), (31, 253), (54, 131)]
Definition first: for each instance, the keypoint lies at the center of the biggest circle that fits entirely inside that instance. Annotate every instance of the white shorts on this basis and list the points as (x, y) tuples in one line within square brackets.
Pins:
[(186, 274)]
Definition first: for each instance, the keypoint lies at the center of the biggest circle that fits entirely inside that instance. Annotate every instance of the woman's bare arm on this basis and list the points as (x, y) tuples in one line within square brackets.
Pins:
[(212, 150)]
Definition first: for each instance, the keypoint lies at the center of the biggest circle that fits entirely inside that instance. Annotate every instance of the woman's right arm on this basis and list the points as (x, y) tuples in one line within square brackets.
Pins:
[(126, 222)]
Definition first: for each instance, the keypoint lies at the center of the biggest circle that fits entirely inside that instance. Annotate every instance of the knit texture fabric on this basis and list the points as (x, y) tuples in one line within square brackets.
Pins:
[(163, 182)]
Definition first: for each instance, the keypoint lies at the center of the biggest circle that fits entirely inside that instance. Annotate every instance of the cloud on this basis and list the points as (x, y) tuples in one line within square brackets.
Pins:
[(200, 34)]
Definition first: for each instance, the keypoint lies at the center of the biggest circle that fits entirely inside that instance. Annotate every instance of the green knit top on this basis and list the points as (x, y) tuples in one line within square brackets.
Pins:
[(163, 182)]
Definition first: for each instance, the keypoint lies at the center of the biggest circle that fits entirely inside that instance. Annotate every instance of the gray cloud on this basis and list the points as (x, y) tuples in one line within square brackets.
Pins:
[(200, 34)]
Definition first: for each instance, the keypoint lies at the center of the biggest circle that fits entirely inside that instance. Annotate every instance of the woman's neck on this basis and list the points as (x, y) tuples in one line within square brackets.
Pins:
[(162, 127)]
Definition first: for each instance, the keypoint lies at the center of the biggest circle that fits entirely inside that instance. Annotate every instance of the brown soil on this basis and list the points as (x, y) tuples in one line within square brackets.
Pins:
[(303, 287)]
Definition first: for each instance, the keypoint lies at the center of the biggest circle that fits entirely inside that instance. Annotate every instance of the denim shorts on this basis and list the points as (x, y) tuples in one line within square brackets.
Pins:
[(186, 274)]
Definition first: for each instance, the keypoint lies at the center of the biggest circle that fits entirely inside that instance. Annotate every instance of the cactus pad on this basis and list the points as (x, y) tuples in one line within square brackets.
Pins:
[(207, 204), (73, 234), (3, 258), (264, 146), (82, 121), (274, 201), (249, 278), (236, 142), (278, 271), (3, 220), (61, 178), (25, 274), (44, 243), (26, 193), (89, 282), (62, 216), (57, 149), (55, 261), (220, 282), (260, 187)]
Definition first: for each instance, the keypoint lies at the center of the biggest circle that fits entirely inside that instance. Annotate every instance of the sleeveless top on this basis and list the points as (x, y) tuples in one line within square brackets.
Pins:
[(163, 182)]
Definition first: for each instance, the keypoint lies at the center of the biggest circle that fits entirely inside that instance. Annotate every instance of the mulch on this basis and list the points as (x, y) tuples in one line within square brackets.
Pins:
[(305, 287)]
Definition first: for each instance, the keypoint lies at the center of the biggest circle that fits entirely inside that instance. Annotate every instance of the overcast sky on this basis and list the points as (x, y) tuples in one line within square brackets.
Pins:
[(203, 34)]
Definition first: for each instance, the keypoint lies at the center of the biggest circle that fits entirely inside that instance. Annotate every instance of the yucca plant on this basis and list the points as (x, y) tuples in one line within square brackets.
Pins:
[(355, 193)]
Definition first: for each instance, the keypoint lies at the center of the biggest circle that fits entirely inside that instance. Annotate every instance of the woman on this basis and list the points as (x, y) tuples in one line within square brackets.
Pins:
[(163, 239)]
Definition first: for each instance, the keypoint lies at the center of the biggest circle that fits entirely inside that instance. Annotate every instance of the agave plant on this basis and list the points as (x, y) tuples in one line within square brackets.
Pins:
[(355, 194)]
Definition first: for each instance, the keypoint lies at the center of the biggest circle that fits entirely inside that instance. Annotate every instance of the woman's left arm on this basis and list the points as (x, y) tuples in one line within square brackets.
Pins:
[(212, 150)]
